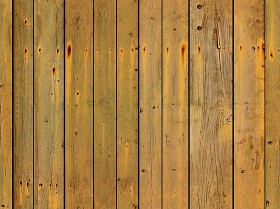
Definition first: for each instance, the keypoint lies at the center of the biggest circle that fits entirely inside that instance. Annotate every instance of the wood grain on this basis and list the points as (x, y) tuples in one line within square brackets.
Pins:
[(127, 104), (249, 104), (6, 104), (23, 104), (79, 104), (49, 104), (211, 104), (175, 104), (272, 113), (150, 100), (105, 104)]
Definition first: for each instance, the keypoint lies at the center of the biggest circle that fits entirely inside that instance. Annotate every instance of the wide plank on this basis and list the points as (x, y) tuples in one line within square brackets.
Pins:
[(211, 104), (150, 101), (49, 104), (249, 57), (78, 104), (23, 104), (105, 104), (175, 104), (127, 104)]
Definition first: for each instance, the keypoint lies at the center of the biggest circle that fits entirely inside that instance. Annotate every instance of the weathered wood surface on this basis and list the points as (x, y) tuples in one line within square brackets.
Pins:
[(211, 104), (139, 104), (249, 51), (78, 104), (175, 104), (6, 104), (127, 104), (105, 104), (23, 104), (150, 100), (49, 104), (272, 110)]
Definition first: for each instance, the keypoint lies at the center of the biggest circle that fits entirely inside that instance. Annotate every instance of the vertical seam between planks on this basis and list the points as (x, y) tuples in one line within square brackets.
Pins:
[(233, 121), (189, 96), (93, 105), (161, 104), (33, 108), (138, 74), (12, 16), (264, 8), (116, 103), (64, 116)]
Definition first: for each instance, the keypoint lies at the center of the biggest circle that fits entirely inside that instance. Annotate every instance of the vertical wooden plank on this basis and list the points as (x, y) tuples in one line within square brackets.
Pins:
[(175, 104), (150, 98), (127, 104), (6, 104), (105, 104), (211, 104), (79, 104), (49, 103), (249, 103), (23, 104), (272, 92)]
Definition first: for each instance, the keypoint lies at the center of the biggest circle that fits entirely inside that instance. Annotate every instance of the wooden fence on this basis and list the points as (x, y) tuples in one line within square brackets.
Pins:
[(139, 104)]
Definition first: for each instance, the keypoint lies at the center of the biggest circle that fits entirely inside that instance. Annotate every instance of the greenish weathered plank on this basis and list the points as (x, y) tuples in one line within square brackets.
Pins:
[(105, 104), (127, 104), (272, 75), (49, 104), (211, 104), (79, 104), (23, 104), (249, 103), (150, 101), (6, 104), (175, 104)]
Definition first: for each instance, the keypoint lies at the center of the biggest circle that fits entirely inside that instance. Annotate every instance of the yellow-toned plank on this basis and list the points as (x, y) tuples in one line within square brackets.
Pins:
[(249, 103), (127, 104), (211, 104), (105, 104), (23, 104), (272, 111), (6, 104), (150, 101), (49, 104), (175, 104), (79, 104)]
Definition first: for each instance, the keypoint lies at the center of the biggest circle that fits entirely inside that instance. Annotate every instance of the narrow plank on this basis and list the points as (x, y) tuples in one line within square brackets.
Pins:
[(211, 104), (249, 103), (127, 104), (105, 104), (23, 104), (175, 104), (49, 104), (150, 101), (272, 112), (6, 104), (79, 104)]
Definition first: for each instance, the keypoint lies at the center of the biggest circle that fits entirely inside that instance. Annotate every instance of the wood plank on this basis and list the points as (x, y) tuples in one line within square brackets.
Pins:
[(272, 113), (23, 104), (127, 104), (6, 104), (79, 104), (175, 104), (211, 104), (150, 100), (249, 103), (105, 104), (49, 104)]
